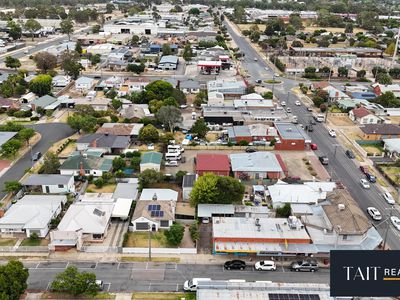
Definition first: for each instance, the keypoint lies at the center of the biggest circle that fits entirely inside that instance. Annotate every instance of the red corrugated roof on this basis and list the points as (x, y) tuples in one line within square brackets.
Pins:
[(212, 162), (361, 112), (281, 163)]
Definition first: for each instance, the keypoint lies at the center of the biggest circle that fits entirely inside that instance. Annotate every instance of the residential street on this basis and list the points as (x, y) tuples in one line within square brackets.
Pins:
[(340, 166), (135, 276), (51, 133)]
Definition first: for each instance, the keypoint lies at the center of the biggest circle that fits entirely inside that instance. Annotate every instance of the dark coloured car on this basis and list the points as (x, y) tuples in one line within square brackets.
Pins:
[(312, 122), (363, 169), (235, 265), (371, 178), (36, 156), (309, 128), (324, 160), (251, 150), (350, 154), (304, 266)]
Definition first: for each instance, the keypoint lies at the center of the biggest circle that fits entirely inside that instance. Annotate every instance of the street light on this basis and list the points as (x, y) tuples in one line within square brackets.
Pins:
[(149, 228)]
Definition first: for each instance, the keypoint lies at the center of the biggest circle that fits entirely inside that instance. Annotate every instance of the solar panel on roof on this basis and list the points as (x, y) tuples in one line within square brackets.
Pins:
[(293, 297), (161, 214), (158, 207), (150, 208), (152, 213)]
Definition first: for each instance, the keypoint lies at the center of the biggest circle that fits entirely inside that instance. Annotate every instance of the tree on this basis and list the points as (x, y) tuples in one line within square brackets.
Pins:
[(50, 164), (12, 186), (194, 11), (159, 89), (32, 26), (13, 280), (41, 85), (96, 28), (387, 99), (109, 8), (87, 123), (361, 74), (325, 71), (149, 134), (12, 62), (45, 61), (378, 70), (70, 63), (166, 49), (149, 177), (118, 163), (323, 42), (135, 68), (71, 281), (135, 40), (343, 72), (395, 73), (214, 189), (348, 28), (384, 78), (67, 27), (268, 95), (116, 103), (95, 59), (26, 134), (174, 234), (169, 116), (296, 21), (317, 101), (200, 128), (284, 212), (11, 147), (178, 95), (390, 49), (187, 52), (15, 30), (297, 43), (135, 163)]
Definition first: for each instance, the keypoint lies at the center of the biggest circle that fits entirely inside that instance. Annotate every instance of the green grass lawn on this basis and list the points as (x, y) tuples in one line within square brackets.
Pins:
[(373, 148), (141, 240), (393, 173), (7, 242), (39, 242), (270, 81)]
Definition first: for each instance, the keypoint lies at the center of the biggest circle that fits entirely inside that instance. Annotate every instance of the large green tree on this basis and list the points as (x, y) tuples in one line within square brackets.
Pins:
[(26, 134), (11, 147), (387, 99), (12, 62), (148, 177), (50, 164), (200, 128), (73, 282), (15, 30), (12, 187), (169, 116), (41, 85), (174, 234), (87, 123), (32, 26), (159, 90), (149, 134), (67, 27), (13, 278), (45, 61), (70, 63)]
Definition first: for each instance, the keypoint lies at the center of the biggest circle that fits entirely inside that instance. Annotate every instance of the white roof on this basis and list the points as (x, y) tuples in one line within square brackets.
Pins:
[(32, 211), (392, 145), (207, 210), (255, 162), (126, 190), (90, 217), (121, 208), (84, 80), (253, 103), (161, 194), (252, 96), (97, 197)]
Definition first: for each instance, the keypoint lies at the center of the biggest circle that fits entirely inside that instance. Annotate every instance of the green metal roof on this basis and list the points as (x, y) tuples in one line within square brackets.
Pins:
[(151, 157)]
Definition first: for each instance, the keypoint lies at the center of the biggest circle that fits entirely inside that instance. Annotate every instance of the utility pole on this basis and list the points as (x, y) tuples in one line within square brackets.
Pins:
[(149, 242), (387, 227), (395, 47)]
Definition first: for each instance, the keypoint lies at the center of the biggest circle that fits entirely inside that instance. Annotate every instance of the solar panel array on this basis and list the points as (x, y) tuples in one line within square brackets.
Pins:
[(157, 213), (154, 207), (293, 297)]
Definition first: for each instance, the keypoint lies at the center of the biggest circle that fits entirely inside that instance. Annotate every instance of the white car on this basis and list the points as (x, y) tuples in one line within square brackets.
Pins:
[(171, 163), (365, 183), (255, 58), (395, 221), (150, 147), (265, 265), (298, 103), (283, 103), (389, 198), (332, 133), (374, 213), (276, 75)]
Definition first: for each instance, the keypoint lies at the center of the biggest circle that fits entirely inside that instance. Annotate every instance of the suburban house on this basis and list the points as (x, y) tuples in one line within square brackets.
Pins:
[(98, 103), (61, 81), (212, 163), (6, 104), (393, 147), (46, 102), (282, 193), (361, 115), (335, 95), (215, 99), (5, 136), (257, 165), (291, 137), (380, 89), (50, 183), (32, 214), (315, 86), (113, 144), (190, 86), (84, 84), (159, 195), (84, 221), (234, 235), (187, 185), (133, 85), (84, 165), (251, 133), (135, 111), (130, 130), (153, 214), (151, 160), (168, 62), (375, 132)]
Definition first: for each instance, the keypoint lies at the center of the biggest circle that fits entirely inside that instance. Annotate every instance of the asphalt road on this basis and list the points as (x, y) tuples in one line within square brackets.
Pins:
[(51, 133), (165, 277), (340, 166)]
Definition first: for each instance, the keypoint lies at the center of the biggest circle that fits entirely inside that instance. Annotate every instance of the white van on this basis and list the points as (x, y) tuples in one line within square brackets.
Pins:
[(173, 156), (175, 148), (191, 285), (320, 118)]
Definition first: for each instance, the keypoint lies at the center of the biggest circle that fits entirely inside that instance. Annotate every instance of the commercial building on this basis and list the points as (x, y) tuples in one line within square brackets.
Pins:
[(231, 88), (168, 62), (333, 52), (212, 163), (291, 137)]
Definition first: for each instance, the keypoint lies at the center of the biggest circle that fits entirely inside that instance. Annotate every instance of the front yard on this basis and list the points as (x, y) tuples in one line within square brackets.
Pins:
[(7, 242), (141, 240), (34, 242), (392, 172)]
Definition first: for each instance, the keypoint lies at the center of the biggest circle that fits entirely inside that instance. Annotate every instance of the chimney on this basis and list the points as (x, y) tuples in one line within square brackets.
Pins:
[(154, 197), (81, 169)]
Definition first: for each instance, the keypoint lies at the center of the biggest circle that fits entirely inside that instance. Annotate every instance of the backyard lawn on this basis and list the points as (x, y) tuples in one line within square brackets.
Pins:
[(141, 240), (7, 242)]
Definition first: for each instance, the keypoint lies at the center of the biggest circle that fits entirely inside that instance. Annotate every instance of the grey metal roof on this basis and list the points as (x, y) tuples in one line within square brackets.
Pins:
[(44, 101), (188, 180), (169, 59), (46, 179), (106, 140), (255, 162), (289, 131), (5, 136), (207, 210), (126, 190)]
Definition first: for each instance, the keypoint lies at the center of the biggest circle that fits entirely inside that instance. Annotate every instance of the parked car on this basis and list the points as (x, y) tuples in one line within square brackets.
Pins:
[(100, 284), (258, 81), (332, 133), (310, 128), (265, 265), (371, 178), (235, 265), (312, 122), (395, 221), (374, 213), (255, 59), (251, 149), (288, 110), (298, 103), (171, 163), (324, 160), (36, 156), (364, 183), (314, 147), (191, 285), (363, 169), (304, 265), (350, 154), (283, 103), (309, 108), (389, 198)]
